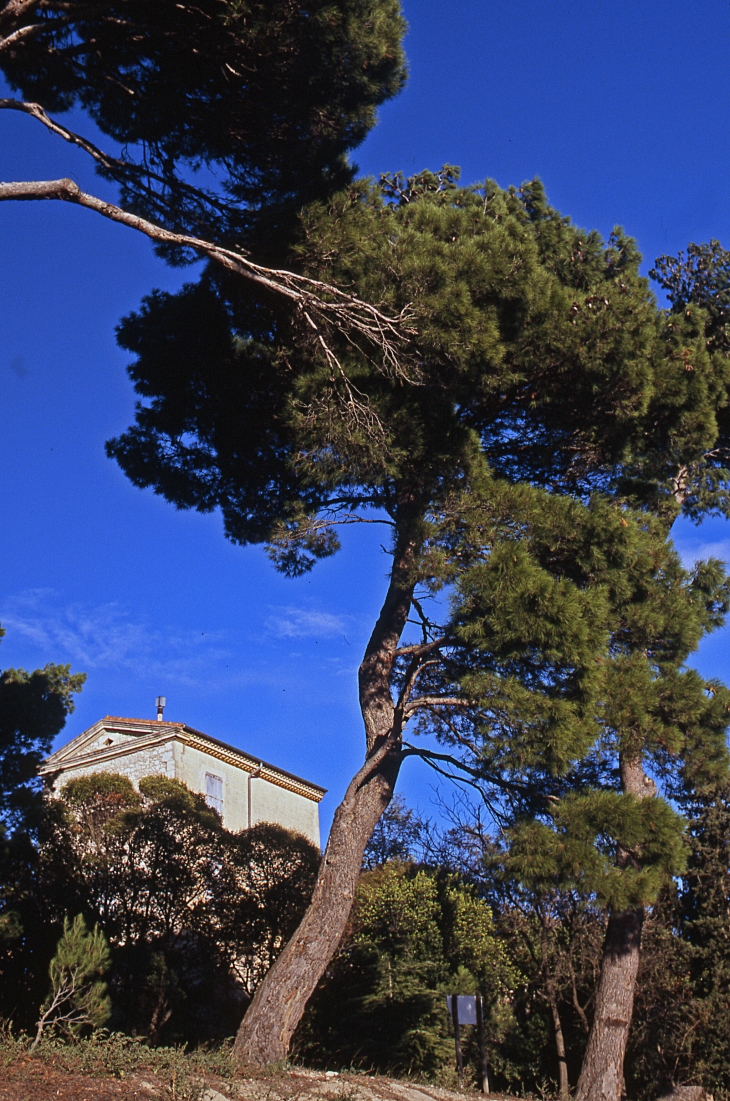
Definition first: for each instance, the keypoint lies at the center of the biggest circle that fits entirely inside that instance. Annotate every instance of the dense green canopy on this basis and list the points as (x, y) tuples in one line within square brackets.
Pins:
[(535, 347), (194, 915), (520, 413), (268, 97), (33, 709)]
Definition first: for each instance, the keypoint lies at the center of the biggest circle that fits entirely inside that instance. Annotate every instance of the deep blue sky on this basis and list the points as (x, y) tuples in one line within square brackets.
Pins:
[(623, 109)]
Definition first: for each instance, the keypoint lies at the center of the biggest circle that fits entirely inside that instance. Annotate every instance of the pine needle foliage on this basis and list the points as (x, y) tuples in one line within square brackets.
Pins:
[(704, 907), (571, 634), (518, 450), (33, 709), (534, 347), (78, 997)]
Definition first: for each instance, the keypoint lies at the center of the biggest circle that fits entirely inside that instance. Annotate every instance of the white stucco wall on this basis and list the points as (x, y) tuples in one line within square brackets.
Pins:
[(190, 768), (270, 803)]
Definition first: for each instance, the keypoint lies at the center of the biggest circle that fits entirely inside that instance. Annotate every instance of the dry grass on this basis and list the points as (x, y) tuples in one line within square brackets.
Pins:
[(112, 1067)]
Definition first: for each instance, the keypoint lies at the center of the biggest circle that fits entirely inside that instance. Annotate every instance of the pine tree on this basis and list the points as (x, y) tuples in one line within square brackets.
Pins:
[(684, 985), (553, 933), (704, 906), (78, 997), (577, 730), (240, 412), (269, 95), (448, 341), (33, 709), (668, 1019)]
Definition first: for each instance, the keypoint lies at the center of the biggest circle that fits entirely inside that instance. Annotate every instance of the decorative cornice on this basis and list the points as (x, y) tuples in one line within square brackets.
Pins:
[(232, 756), (54, 763)]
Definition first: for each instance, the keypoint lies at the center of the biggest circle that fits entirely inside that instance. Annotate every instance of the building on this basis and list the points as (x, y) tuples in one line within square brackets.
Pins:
[(242, 788)]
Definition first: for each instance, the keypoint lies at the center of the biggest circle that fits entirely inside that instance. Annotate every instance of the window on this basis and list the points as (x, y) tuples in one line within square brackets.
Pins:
[(214, 792)]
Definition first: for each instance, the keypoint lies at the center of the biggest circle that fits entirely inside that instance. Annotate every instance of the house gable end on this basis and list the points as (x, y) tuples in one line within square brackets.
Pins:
[(246, 789)]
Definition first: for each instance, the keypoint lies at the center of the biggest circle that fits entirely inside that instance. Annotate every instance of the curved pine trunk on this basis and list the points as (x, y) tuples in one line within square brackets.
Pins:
[(602, 1073), (279, 1002)]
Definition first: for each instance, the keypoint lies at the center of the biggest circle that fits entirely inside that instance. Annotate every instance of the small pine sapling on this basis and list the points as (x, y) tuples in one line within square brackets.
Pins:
[(78, 996)]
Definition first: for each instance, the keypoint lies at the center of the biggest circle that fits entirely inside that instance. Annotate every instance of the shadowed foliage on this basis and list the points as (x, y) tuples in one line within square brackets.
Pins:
[(194, 915), (266, 98)]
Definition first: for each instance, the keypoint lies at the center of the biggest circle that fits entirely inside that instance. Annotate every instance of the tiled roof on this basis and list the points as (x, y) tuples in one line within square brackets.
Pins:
[(123, 719)]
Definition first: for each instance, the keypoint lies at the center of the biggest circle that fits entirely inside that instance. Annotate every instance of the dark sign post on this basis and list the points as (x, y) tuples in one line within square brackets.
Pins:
[(482, 1045), (455, 999), (468, 1009)]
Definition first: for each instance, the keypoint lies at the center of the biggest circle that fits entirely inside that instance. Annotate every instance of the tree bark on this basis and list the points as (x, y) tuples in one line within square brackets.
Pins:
[(279, 1002), (563, 1084), (602, 1073)]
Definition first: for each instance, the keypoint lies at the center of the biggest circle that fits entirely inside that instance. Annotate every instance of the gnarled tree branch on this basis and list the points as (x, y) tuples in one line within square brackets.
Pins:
[(14, 25), (436, 701), (419, 649)]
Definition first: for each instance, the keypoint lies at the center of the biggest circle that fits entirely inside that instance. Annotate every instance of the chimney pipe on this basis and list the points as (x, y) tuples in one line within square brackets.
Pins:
[(160, 703)]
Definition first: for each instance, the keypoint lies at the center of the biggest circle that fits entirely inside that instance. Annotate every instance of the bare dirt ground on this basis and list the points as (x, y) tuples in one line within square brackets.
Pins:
[(26, 1078)]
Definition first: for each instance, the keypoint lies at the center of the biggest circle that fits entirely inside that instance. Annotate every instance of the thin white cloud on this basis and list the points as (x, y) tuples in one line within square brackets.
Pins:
[(105, 640), (291, 622), (105, 637), (696, 552)]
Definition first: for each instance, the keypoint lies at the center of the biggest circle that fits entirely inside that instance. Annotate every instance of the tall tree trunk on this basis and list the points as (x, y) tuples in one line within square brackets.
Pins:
[(563, 1084), (279, 1002), (602, 1073)]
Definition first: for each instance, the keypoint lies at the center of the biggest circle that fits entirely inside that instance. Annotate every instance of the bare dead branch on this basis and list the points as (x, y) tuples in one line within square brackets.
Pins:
[(415, 668), (326, 521), (425, 623), (471, 779), (453, 730), (357, 410), (63, 994), (16, 10), (14, 25), (576, 1002), (332, 308), (36, 111), (419, 649), (447, 758), (476, 776), (22, 32)]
